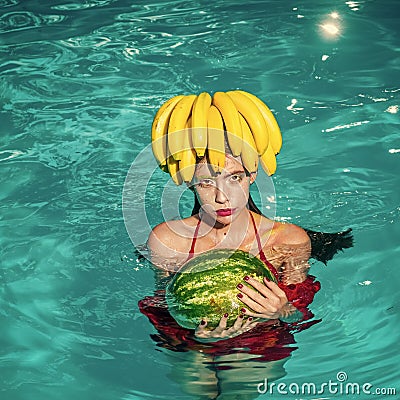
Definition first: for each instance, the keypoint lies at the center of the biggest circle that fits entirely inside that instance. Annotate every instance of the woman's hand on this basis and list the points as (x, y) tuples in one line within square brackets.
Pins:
[(241, 325), (268, 300)]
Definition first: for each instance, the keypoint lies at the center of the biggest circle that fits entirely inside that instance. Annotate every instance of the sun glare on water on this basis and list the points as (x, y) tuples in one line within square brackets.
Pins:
[(330, 27)]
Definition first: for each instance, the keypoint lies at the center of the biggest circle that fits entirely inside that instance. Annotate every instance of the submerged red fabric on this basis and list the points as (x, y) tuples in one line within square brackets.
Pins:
[(269, 340)]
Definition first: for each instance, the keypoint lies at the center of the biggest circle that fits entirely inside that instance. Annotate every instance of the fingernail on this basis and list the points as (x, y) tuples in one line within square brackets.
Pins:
[(226, 315), (243, 310), (246, 278), (239, 286), (240, 295), (202, 322), (268, 280), (250, 318), (241, 315)]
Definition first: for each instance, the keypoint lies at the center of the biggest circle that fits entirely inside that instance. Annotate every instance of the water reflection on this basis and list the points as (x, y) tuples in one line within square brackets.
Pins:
[(330, 29), (226, 368), (225, 377)]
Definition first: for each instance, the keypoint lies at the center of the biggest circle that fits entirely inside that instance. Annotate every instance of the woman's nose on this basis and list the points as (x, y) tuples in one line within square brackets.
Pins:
[(220, 196)]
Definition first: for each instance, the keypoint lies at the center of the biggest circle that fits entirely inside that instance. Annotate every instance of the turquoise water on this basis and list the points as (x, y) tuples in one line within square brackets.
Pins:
[(80, 83)]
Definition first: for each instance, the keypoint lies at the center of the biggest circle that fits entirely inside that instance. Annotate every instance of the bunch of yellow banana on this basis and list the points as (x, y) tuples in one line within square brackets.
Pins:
[(189, 126)]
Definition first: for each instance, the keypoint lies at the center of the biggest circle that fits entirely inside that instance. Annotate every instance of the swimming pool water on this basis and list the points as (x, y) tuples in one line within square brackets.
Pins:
[(80, 83)]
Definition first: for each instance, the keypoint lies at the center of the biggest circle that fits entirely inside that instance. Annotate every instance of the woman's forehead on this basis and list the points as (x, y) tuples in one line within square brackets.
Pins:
[(232, 164)]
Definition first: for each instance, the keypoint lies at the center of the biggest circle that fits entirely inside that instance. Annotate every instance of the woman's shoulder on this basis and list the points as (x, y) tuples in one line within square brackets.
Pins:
[(291, 234), (170, 240), (174, 231), (283, 233)]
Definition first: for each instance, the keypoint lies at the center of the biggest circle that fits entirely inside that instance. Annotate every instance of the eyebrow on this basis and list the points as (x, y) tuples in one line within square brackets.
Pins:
[(239, 171), (206, 177), (229, 174)]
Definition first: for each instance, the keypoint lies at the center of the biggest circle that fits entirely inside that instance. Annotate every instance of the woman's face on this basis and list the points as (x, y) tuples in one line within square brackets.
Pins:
[(222, 196)]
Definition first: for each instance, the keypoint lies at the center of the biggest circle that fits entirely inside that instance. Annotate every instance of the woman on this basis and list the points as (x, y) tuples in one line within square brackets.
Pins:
[(215, 144), (225, 221), (237, 357)]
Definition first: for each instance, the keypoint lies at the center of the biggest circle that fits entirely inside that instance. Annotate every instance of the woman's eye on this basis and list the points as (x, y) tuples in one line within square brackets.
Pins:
[(236, 178), (206, 182)]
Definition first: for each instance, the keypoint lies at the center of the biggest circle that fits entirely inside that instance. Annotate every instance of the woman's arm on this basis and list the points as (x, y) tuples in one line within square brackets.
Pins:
[(287, 299), (166, 248), (294, 247)]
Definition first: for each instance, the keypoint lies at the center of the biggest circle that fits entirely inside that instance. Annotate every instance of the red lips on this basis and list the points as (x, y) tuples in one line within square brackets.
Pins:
[(225, 212)]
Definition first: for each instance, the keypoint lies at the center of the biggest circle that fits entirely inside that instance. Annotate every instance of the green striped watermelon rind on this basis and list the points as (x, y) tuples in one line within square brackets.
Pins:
[(205, 287)]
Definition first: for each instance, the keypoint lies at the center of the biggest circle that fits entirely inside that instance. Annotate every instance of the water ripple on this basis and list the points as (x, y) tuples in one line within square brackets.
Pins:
[(83, 6), (8, 3), (9, 154), (80, 83), (21, 20)]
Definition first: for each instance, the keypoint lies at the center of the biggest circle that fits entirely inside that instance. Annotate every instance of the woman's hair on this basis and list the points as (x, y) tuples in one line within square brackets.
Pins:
[(323, 245)]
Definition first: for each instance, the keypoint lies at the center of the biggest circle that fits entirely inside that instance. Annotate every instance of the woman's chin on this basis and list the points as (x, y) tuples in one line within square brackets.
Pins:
[(226, 219)]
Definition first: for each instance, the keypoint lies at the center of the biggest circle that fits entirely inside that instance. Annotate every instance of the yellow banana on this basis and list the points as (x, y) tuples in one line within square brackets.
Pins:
[(268, 161), (159, 130), (199, 123), (173, 169), (231, 119), (254, 119), (187, 163), (216, 139), (164, 168), (275, 135), (249, 153), (177, 123)]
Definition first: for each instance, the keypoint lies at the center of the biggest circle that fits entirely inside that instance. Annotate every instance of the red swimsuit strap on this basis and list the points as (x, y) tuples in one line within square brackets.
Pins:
[(263, 258), (260, 249), (196, 231)]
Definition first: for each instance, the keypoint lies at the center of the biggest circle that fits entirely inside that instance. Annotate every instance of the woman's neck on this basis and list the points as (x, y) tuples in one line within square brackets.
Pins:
[(233, 233)]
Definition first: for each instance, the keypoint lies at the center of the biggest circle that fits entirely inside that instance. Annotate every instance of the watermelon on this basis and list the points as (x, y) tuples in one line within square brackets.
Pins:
[(205, 287)]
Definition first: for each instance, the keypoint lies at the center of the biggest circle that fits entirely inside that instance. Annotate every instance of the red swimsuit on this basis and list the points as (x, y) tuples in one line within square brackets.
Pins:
[(268, 340)]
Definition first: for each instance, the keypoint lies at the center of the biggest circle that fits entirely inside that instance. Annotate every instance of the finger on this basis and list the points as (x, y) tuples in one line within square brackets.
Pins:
[(236, 328), (238, 323), (219, 335), (222, 324), (250, 326), (259, 286), (263, 305), (250, 323), (253, 294), (241, 326), (274, 288), (264, 315), (201, 329), (269, 290)]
